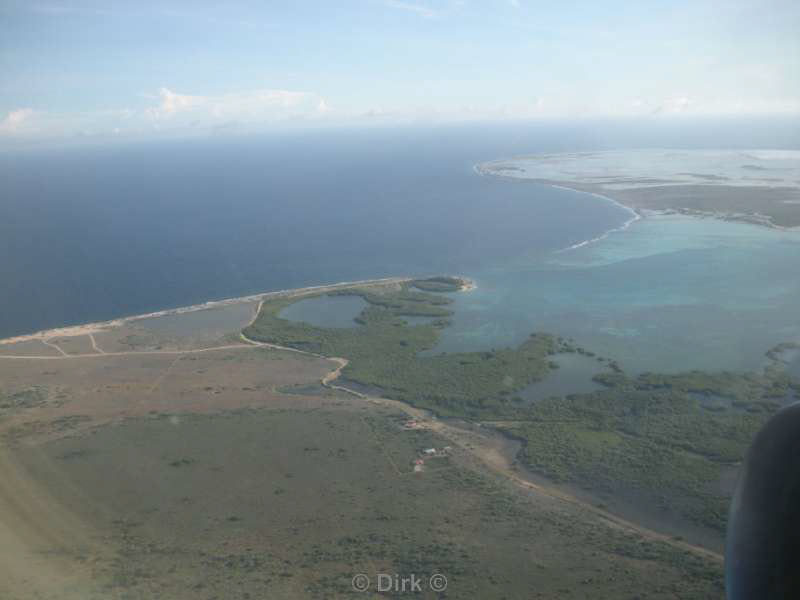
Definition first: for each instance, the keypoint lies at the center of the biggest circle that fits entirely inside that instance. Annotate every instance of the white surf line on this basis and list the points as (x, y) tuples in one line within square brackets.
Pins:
[(635, 215), (249, 343), (97, 348), (599, 238), (47, 342), (84, 329), (133, 352)]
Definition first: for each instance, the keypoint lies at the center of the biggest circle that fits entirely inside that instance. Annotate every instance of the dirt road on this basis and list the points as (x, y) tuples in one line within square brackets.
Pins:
[(483, 446)]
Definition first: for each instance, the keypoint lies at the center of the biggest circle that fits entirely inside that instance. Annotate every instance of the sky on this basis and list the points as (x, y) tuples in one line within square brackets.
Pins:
[(109, 69)]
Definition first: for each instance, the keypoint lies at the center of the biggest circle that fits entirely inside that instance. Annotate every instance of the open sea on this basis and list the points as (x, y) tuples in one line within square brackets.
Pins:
[(89, 234)]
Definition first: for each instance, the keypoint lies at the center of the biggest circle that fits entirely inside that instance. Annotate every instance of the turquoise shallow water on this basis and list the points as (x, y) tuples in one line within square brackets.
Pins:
[(94, 234), (149, 227), (669, 293)]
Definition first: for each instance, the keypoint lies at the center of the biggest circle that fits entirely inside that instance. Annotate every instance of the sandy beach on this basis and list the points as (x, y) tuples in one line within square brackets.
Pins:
[(89, 329), (729, 197)]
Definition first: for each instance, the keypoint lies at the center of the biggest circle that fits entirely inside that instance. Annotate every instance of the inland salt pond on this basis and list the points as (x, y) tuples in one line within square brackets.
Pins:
[(325, 311), (573, 376)]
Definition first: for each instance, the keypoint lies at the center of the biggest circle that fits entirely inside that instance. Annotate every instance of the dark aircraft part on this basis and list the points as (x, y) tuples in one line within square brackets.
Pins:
[(762, 557)]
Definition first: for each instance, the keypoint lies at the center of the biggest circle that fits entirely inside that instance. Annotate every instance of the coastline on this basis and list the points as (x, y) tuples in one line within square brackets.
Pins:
[(98, 326), (635, 216), (87, 328), (753, 218)]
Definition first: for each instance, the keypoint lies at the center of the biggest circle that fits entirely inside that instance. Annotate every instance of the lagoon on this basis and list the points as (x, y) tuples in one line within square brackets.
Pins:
[(325, 311), (152, 227), (573, 376), (669, 293)]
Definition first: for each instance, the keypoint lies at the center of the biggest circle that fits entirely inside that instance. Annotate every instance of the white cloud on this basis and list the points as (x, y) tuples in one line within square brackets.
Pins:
[(15, 120), (514, 3), (171, 113), (172, 103), (254, 105), (175, 114), (322, 107)]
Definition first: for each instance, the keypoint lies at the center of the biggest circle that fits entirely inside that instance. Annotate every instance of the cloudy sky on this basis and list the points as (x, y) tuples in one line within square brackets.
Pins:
[(78, 68)]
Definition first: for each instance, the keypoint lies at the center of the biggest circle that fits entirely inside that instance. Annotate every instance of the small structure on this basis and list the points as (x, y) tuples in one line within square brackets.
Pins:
[(437, 452)]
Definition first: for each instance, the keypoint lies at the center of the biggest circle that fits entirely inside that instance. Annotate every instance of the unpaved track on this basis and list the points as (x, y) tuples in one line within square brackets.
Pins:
[(97, 348), (55, 346), (483, 448), (480, 446), (65, 356), (77, 330)]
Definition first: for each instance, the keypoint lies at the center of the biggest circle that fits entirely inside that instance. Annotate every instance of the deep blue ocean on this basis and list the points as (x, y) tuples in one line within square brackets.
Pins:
[(91, 234), (94, 233)]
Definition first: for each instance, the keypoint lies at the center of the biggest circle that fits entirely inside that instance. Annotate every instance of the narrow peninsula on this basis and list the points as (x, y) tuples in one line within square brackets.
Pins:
[(752, 186)]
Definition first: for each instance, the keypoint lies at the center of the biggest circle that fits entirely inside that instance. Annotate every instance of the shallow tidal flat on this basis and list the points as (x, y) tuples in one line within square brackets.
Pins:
[(760, 186), (632, 370), (667, 292), (190, 475)]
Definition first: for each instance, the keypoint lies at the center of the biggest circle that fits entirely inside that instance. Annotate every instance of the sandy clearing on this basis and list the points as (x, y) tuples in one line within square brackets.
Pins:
[(480, 446), (91, 328), (483, 448)]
